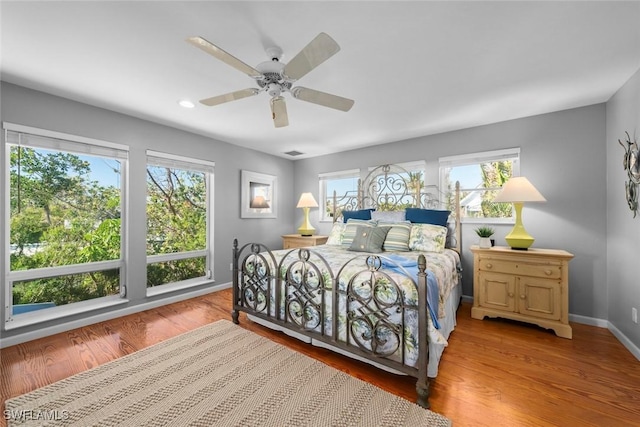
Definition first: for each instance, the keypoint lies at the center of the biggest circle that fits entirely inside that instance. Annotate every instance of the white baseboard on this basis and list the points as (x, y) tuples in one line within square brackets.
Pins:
[(79, 323), (592, 321), (624, 340), (602, 323)]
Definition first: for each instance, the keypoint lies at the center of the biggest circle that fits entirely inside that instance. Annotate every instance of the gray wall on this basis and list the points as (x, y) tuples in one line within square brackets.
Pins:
[(623, 231), (561, 153), (32, 108)]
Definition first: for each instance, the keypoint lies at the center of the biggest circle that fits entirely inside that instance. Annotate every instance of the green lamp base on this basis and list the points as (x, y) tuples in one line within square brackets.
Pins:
[(518, 238), (306, 229), (519, 243), (305, 232)]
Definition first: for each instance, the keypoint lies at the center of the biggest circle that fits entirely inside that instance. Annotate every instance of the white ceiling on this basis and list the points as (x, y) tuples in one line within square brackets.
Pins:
[(413, 68)]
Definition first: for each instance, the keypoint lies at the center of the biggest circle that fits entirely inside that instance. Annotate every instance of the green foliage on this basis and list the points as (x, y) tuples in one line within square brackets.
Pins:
[(60, 217), (485, 231), (495, 174), (27, 228)]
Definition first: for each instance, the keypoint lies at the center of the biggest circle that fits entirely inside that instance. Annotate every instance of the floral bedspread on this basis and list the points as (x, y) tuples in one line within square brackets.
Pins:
[(374, 319)]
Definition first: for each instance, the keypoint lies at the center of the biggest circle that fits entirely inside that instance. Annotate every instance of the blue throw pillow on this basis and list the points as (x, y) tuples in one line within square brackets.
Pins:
[(427, 216), (361, 214)]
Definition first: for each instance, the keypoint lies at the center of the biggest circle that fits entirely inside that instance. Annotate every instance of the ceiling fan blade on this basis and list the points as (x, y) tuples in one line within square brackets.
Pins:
[(279, 112), (315, 53), (224, 56), (228, 97), (322, 98)]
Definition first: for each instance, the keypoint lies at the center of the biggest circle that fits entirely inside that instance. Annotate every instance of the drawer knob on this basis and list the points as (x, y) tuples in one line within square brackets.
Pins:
[(489, 265), (510, 294), (523, 296), (548, 272)]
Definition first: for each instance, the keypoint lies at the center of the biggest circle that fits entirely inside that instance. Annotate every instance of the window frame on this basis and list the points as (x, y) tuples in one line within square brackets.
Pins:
[(323, 178), (161, 159), (478, 158), (67, 143)]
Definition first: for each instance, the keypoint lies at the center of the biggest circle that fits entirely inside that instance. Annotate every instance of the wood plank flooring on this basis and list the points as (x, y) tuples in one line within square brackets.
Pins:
[(494, 372)]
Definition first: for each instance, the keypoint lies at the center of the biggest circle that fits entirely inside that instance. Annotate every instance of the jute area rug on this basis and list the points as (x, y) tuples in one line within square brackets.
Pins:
[(216, 375)]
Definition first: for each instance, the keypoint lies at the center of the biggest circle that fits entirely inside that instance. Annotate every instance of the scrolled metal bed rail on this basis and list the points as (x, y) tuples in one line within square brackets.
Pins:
[(301, 293)]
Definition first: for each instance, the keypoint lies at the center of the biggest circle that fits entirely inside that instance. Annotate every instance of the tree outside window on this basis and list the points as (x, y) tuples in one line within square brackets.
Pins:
[(177, 220), (481, 176), (65, 212)]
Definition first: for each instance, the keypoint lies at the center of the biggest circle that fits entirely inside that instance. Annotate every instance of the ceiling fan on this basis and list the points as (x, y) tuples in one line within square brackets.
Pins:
[(275, 77)]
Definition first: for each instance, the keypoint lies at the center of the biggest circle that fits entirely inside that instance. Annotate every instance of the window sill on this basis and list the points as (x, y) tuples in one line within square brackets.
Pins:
[(178, 286), (506, 221), (48, 314)]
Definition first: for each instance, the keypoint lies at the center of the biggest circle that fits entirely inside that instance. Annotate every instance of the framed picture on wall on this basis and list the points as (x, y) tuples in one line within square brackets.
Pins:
[(258, 198)]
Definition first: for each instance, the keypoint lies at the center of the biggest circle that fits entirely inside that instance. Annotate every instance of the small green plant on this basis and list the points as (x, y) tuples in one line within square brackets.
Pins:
[(485, 231)]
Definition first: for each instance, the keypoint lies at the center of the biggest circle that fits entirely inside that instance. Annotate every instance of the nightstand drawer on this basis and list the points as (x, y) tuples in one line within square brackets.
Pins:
[(547, 271), (291, 241)]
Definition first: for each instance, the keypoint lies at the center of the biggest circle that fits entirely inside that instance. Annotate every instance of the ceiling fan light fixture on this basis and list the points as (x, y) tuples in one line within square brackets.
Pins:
[(185, 103), (274, 89)]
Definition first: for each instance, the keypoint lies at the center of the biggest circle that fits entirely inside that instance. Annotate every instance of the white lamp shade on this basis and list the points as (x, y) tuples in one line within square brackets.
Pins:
[(519, 189), (307, 201)]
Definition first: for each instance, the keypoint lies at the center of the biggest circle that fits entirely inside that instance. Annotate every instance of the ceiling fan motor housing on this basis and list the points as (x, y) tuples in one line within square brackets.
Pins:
[(273, 78)]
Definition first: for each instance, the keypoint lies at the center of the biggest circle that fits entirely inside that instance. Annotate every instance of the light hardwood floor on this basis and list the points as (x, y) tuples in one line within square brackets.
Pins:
[(494, 372)]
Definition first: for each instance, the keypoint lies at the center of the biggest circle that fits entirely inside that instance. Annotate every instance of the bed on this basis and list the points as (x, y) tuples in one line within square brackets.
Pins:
[(385, 287)]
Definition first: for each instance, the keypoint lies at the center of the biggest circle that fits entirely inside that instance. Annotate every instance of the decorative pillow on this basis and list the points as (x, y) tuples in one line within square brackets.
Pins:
[(350, 230), (369, 239), (388, 216), (361, 214), (428, 238), (398, 236), (427, 216), (337, 232)]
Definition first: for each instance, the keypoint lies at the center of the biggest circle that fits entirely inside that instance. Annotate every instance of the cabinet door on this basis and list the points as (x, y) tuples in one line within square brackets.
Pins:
[(497, 291), (539, 298)]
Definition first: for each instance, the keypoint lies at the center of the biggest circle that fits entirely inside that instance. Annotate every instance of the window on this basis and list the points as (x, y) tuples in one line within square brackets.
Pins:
[(179, 209), (481, 176), (344, 185), (65, 238)]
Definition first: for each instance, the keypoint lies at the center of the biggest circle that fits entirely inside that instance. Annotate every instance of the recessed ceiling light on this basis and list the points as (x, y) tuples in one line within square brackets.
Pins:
[(186, 103)]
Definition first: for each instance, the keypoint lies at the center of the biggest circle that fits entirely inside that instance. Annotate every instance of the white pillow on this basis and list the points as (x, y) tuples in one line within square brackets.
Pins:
[(388, 216)]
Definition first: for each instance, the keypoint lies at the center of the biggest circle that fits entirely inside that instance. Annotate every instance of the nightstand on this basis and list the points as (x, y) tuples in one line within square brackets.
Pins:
[(290, 241), (529, 286)]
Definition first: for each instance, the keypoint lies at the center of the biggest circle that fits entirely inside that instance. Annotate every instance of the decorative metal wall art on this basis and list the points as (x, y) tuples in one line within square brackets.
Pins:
[(631, 164)]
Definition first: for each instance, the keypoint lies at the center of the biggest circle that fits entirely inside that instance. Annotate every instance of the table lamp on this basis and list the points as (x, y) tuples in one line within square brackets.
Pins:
[(519, 190), (306, 201)]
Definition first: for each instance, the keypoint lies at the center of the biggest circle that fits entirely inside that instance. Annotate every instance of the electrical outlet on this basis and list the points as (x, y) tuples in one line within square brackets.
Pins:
[(231, 267), (634, 314)]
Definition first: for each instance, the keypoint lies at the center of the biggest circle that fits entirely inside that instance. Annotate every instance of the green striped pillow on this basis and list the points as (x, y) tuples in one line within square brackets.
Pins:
[(398, 236), (350, 230)]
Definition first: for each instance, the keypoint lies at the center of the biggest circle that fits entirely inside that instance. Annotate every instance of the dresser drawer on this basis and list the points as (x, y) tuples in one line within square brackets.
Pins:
[(520, 268)]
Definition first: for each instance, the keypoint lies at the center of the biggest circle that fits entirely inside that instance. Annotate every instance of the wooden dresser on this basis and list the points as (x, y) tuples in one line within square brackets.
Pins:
[(290, 241), (529, 286)]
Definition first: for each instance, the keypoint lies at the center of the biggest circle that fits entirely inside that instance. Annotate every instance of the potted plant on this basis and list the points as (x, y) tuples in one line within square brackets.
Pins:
[(485, 234)]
